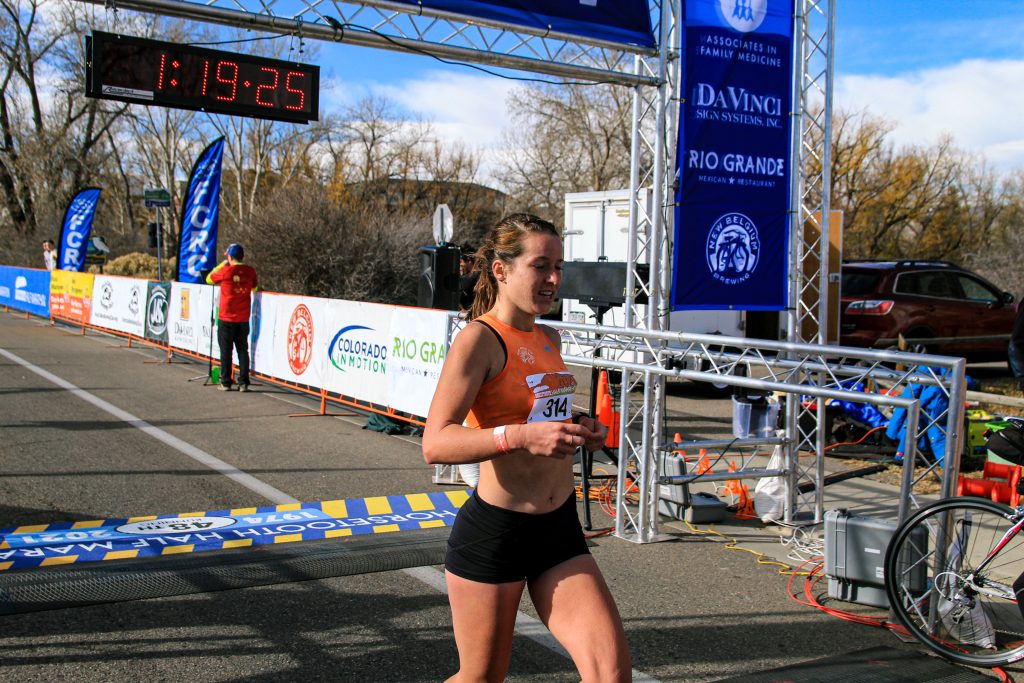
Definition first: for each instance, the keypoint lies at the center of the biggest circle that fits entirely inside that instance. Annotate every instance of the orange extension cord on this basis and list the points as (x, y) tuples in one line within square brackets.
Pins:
[(604, 495), (816, 574)]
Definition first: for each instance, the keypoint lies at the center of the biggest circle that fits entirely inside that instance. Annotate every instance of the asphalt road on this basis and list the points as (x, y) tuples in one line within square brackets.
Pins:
[(693, 609)]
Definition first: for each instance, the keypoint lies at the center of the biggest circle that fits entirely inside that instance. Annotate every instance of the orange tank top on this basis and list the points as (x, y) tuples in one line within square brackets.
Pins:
[(534, 385)]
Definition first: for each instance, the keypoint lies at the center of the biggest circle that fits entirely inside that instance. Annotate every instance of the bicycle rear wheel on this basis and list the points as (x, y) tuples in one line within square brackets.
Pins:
[(937, 592)]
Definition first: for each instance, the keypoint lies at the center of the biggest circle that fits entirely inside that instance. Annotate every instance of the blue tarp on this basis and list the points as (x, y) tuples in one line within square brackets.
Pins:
[(934, 402), (627, 22)]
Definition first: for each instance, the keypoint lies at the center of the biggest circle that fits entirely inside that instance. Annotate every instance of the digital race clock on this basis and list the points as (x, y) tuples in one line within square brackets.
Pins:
[(152, 72)]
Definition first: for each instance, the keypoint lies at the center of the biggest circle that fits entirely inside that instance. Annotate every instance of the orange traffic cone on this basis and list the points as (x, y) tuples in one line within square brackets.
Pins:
[(601, 390), (676, 440), (609, 417), (732, 486), (703, 465), (745, 509)]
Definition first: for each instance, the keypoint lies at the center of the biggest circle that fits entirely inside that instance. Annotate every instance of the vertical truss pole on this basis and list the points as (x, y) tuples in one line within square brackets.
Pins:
[(649, 222), (814, 28)]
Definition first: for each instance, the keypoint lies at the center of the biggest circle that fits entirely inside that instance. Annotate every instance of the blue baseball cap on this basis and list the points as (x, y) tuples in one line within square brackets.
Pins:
[(235, 251)]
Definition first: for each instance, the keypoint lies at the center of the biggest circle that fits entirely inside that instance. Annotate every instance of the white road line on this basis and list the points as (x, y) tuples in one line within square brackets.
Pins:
[(216, 464), (526, 625)]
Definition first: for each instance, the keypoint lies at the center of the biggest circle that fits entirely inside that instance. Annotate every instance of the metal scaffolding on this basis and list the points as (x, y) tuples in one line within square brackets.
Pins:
[(645, 352)]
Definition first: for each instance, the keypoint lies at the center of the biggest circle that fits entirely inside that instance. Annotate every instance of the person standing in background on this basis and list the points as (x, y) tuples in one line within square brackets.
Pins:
[(237, 282), (468, 276), (49, 255)]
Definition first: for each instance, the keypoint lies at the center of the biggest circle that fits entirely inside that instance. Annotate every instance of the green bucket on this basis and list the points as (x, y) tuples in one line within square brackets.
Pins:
[(215, 375)]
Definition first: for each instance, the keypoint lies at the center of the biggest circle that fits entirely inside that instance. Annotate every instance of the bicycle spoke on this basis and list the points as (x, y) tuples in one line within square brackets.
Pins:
[(940, 595)]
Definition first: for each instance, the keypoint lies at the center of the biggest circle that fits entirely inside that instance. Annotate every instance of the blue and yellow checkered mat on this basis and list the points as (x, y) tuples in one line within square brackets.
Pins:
[(191, 532)]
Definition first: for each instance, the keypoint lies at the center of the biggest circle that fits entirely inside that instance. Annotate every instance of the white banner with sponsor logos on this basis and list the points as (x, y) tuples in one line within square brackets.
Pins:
[(357, 336), (189, 318), (261, 332), (387, 355), (300, 344), (119, 303), (417, 351)]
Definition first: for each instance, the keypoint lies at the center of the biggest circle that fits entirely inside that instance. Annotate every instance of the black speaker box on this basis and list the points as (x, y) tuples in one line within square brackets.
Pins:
[(439, 277), (601, 283)]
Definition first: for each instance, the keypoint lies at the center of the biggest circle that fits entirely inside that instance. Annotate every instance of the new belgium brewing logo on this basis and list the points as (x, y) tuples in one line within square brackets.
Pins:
[(733, 248), (300, 339)]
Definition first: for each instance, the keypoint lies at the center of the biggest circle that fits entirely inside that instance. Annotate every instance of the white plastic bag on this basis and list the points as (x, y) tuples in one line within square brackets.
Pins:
[(470, 474), (770, 492), (972, 627)]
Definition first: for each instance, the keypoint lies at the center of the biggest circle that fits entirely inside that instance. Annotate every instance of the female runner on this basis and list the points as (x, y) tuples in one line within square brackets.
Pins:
[(504, 400)]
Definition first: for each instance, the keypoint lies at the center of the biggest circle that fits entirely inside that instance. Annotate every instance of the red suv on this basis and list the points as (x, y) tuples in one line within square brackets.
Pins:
[(936, 306)]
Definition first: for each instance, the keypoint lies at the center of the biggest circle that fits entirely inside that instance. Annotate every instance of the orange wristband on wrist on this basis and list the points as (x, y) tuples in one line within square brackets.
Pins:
[(500, 440)]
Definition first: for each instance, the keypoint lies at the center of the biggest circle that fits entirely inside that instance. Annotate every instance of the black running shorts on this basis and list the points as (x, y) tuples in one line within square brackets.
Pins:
[(490, 544)]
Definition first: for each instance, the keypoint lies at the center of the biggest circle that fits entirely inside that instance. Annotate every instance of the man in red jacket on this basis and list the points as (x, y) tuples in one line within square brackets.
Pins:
[(237, 283)]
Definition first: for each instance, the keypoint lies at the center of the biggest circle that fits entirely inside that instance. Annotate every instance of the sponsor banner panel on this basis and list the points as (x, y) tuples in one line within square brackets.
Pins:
[(261, 333), (300, 339), (417, 351), (356, 354), (60, 290), (733, 156), (25, 289), (157, 304), (118, 539), (119, 304), (71, 295), (189, 317)]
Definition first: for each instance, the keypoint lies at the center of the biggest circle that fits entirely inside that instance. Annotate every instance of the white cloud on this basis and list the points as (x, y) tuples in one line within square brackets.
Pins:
[(466, 108), (461, 106), (977, 102)]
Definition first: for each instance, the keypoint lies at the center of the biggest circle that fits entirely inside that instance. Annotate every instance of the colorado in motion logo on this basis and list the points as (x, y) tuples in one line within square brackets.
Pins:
[(354, 347), (733, 248), (744, 15), (300, 339)]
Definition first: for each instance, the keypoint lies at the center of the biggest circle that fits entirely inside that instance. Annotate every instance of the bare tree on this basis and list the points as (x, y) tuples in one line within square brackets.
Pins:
[(309, 244), (53, 141), (564, 139)]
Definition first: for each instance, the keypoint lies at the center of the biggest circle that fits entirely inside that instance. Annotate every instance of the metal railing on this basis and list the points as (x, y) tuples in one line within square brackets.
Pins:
[(801, 372)]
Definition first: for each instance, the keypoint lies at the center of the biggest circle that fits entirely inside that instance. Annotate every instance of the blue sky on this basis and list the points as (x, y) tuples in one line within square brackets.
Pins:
[(889, 37), (933, 67)]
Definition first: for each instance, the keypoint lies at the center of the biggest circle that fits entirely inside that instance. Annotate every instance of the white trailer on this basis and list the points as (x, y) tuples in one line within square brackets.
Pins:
[(597, 229)]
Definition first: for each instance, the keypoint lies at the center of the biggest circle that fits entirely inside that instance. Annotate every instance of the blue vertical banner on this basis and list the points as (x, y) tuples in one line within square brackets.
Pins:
[(199, 215), (733, 157), (74, 236)]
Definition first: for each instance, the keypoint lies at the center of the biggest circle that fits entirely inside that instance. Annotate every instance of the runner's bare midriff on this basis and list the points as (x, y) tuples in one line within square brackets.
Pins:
[(526, 483)]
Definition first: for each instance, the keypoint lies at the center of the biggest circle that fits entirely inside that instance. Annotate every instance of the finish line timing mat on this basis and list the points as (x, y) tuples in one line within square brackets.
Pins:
[(191, 532)]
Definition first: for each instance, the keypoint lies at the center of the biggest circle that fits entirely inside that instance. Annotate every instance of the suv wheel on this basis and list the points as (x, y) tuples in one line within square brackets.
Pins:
[(918, 341)]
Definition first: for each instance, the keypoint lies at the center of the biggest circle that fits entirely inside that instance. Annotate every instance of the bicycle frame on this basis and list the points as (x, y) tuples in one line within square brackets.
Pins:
[(1011, 533)]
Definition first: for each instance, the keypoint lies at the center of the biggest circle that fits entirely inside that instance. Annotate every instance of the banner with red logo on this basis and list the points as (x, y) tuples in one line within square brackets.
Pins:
[(299, 339)]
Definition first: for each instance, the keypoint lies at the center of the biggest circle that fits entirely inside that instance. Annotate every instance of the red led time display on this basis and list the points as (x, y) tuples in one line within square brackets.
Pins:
[(163, 74)]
